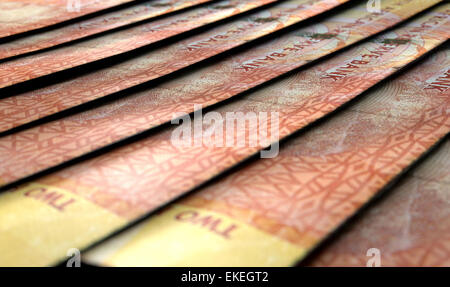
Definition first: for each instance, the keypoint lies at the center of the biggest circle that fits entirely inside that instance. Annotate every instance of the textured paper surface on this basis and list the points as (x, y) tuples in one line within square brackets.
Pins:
[(19, 16), (24, 108), (134, 180), (317, 181), (410, 226), (92, 26), (30, 151), (248, 28), (354, 25)]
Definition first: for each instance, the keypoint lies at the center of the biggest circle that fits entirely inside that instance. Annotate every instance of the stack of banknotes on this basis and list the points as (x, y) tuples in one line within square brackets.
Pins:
[(225, 133)]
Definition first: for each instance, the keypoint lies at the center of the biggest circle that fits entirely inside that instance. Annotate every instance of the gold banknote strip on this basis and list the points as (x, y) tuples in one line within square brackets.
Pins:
[(18, 16), (272, 212), (92, 26), (218, 40), (409, 227), (348, 27), (31, 151), (131, 181)]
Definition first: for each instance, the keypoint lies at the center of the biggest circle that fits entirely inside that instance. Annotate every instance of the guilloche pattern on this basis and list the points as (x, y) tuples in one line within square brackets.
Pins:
[(92, 26), (20, 16), (138, 178), (30, 106), (56, 142), (320, 178), (410, 226), (49, 62)]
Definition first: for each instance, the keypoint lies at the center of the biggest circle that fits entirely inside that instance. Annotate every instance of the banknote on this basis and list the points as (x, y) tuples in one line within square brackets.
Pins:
[(236, 33), (33, 150), (272, 212), (92, 26), (409, 227), (350, 26), (19, 16), (86, 202)]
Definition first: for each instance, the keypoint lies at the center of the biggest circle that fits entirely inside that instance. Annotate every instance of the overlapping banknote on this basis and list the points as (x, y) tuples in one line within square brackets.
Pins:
[(195, 48), (204, 137), (18, 16), (411, 224), (348, 26), (104, 23), (220, 81)]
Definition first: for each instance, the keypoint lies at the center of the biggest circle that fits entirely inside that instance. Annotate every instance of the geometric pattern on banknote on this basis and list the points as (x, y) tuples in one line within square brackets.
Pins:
[(91, 26), (303, 98), (48, 62), (410, 226), (33, 105), (25, 15), (323, 177)]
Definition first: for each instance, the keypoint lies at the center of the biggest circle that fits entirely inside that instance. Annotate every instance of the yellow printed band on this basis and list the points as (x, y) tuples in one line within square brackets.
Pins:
[(187, 236), (39, 215)]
